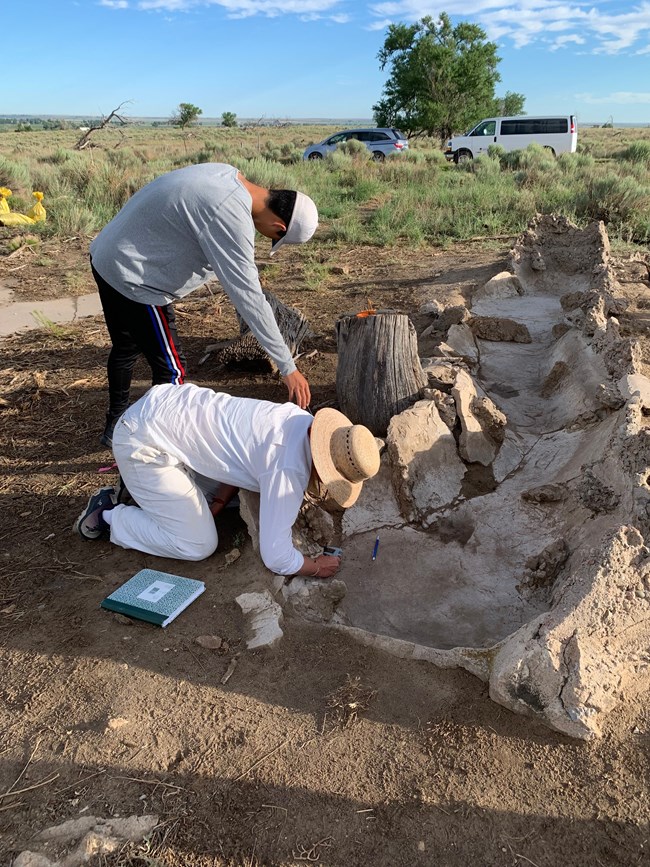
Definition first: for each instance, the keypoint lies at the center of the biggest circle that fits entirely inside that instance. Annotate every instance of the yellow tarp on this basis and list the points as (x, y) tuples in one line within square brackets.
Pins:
[(36, 213)]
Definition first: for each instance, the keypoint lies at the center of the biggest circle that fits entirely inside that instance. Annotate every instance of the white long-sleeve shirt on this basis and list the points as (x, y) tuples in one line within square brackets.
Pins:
[(251, 444), (181, 230)]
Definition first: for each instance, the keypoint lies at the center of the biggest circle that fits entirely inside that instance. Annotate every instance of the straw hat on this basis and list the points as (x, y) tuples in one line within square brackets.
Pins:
[(344, 455)]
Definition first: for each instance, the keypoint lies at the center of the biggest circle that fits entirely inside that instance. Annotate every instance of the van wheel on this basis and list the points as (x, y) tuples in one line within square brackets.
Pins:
[(462, 156), (378, 156), (549, 148), (315, 156)]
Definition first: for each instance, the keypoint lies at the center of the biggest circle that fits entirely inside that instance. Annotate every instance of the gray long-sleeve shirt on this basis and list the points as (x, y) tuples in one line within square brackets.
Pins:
[(181, 230)]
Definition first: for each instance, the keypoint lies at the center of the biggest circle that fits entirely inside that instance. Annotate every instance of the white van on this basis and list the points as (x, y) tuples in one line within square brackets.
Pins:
[(558, 133)]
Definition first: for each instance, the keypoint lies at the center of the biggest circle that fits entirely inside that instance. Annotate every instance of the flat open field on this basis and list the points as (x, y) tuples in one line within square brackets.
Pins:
[(317, 751)]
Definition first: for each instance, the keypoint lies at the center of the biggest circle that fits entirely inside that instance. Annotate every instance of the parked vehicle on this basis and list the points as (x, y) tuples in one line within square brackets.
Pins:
[(379, 141), (558, 133)]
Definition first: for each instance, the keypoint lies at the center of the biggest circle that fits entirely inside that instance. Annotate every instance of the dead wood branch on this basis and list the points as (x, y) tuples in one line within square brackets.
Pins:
[(85, 140)]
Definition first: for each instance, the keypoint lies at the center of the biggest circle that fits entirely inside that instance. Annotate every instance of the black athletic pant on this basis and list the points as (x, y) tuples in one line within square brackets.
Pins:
[(136, 329)]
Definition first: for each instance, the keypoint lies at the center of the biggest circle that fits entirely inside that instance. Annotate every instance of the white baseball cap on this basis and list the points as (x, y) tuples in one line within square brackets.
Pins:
[(302, 225)]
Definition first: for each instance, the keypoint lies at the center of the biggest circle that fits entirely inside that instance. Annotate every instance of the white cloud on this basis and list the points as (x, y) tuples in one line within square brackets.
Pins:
[(563, 41), (247, 8), (527, 21), (114, 4), (621, 97)]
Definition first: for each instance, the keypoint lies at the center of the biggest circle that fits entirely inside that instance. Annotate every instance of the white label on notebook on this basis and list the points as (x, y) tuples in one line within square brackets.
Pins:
[(155, 591)]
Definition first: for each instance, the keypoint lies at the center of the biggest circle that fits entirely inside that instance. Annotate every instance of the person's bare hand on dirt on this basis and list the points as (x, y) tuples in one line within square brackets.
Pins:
[(298, 387)]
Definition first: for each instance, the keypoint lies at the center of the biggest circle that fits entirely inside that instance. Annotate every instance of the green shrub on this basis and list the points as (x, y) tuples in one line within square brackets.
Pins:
[(16, 176), (637, 152), (614, 199)]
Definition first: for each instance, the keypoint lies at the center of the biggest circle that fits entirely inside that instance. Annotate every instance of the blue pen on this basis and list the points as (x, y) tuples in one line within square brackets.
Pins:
[(374, 550)]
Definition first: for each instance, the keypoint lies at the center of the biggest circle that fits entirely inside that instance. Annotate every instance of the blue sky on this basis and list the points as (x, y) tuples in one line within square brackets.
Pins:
[(307, 58)]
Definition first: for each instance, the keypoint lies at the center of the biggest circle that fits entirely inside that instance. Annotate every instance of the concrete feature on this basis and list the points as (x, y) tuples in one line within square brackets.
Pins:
[(522, 556)]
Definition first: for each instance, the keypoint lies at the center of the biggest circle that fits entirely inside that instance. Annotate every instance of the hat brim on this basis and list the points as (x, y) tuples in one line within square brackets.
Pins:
[(326, 422)]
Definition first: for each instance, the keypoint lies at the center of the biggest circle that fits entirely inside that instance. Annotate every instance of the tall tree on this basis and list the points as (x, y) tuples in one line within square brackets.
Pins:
[(441, 79), (510, 105), (185, 115)]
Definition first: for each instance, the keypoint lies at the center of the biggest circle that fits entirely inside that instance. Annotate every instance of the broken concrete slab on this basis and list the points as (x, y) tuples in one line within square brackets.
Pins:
[(534, 600), (498, 328), (460, 339), (427, 472), (502, 285), (264, 617), (377, 505), (476, 443)]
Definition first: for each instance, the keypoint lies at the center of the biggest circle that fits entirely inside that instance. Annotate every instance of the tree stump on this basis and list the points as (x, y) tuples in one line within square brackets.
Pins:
[(379, 373)]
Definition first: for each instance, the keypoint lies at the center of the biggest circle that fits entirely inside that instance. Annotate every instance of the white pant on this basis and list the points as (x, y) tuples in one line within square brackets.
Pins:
[(174, 519)]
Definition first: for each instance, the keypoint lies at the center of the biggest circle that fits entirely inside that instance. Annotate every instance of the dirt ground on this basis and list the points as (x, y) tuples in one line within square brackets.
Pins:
[(318, 751)]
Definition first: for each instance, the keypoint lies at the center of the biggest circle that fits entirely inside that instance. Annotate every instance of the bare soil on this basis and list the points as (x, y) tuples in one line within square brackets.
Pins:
[(319, 751)]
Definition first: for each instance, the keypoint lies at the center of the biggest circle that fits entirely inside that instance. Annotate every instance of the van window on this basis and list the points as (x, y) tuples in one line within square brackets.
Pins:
[(488, 127), (535, 126), (399, 134)]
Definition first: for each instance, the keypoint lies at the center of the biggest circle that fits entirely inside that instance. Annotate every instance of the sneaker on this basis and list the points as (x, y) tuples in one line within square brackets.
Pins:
[(90, 525)]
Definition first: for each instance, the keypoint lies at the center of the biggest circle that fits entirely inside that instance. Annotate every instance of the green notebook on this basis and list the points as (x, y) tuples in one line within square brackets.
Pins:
[(157, 597)]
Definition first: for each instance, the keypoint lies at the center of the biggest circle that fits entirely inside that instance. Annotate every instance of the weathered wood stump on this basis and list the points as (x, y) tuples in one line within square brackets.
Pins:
[(379, 373)]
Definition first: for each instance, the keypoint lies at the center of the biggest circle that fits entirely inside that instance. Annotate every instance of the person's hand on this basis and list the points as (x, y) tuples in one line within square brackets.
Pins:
[(323, 566), (298, 388)]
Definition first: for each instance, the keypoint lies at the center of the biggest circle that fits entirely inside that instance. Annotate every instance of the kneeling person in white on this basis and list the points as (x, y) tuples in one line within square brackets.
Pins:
[(175, 434)]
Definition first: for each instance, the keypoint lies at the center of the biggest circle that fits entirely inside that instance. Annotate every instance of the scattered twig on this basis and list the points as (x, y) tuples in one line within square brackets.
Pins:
[(29, 788), (21, 774), (261, 759), (152, 783)]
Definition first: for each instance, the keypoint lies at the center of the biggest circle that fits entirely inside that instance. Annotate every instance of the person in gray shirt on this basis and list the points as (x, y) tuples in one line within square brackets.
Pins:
[(172, 236)]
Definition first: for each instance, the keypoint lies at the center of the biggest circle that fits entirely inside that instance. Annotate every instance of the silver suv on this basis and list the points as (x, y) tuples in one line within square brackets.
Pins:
[(379, 141)]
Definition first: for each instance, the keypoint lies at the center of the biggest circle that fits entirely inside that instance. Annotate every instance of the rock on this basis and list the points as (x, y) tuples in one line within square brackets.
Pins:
[(542, 569), (537, 263), (440, 374), (498, 328), (445, 403), (431, 308), (314, 600), (264, 618), (116, 722), (210, 642), (32, 859), (502, 285), (460, 339), (560, 329), (596, 495), (475, 445), (249, 509), (427, 472), (551, 493), (124, 621), (452, 315), (492, 420)]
